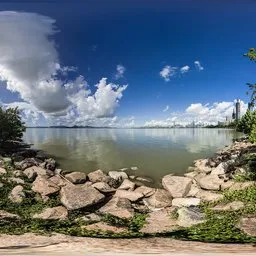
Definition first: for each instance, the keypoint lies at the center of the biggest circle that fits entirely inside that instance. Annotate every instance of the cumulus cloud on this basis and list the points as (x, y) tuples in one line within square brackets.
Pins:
[(184, 69), (30, 66), (198, 65), (167, 72), (120, 69), (166, 108)]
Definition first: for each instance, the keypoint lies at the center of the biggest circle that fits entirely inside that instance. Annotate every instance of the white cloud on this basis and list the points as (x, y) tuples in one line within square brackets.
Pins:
[(184, 69), (167, 72), (120, 69), (30, 66), (166, 108), (198, 65)]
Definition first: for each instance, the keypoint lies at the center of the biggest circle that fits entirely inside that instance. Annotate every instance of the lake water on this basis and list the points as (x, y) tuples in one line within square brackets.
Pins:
[(155, 152)]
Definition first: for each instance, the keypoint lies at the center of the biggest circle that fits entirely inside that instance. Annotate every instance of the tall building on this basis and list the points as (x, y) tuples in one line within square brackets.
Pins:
[(233, 114), (238, 109)]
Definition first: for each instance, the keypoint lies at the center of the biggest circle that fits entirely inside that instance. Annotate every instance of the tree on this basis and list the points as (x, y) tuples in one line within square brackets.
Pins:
[(245, 124), (11, 126)]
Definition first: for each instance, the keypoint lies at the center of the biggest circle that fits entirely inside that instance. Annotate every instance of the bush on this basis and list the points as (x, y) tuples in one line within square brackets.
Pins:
[(11, 126), (247, 121)]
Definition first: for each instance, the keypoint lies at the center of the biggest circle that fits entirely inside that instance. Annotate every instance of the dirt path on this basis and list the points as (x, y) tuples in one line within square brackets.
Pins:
[(30, 244)]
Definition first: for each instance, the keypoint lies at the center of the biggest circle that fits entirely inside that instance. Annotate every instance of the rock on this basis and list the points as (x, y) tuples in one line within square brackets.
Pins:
[(119, 207), (186, 202), (140, 207), (17, 195), (220, 169), (50, 164), (242, 185), (55, 213), (248, 225), (18, 173), (41, 155), (76, 197), (191, 175), (59, 181), (33, 171), (146, 191), (44, 186), (92, 217), (159, 222), (101, 226), (233, 206), (7, 215), (144, 179), (209, 196), (127, 185), (2, 171), (210, 182), (190, 216), (134, 168), (16, 180), (130, 195), (201, 165), (176, 185), (119, 176), (226, 185), (58, 171), (103, 187), (160, 199), (1, 184), (26, 163), (97, 176), (193, 190), (76, 177)]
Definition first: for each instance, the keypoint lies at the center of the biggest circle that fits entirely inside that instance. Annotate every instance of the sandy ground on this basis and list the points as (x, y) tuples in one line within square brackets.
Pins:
[(61, 245)]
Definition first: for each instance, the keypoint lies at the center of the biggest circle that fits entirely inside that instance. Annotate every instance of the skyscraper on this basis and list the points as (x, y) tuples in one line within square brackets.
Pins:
[(233, 115), (238, 108)]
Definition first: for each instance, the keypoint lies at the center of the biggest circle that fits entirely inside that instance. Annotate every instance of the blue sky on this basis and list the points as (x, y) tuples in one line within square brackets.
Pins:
[(142, 38)]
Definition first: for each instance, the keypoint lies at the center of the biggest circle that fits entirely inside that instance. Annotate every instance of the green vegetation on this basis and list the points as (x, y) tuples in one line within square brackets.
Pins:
[(11, 126)]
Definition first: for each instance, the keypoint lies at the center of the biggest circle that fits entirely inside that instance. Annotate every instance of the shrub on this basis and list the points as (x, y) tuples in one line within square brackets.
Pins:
[(247, 121), (11, 126)]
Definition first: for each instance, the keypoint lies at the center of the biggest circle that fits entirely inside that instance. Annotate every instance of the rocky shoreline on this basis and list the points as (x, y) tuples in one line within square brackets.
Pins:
[(42, 198)]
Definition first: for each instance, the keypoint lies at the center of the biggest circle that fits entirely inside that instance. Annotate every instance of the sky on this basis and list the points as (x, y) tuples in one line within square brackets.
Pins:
[(125, 63)]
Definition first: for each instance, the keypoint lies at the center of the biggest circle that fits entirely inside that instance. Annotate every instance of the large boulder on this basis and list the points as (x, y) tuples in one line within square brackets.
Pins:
[(33, 171), (76, 197), (127, 185), (119, 207), (17, 194), (118, 175), (211, 182), (44, 186), (76, 177), (130, 195), (159, 222), (97, 176), (55, 213), (59, 181), (160, 199), (186, 202), (220, 169), (176, 185), (248, 225), (188, 217)]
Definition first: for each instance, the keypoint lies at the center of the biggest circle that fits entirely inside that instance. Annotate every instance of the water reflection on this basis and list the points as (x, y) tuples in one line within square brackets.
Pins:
[(155, 151)]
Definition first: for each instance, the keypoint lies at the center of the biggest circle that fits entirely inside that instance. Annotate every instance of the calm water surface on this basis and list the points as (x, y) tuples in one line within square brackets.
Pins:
[(155, 152)]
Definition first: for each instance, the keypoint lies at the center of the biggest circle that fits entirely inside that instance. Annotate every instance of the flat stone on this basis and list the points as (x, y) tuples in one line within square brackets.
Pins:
[(209, 196), (77, 196), (210, 182), (2, 171), (176, 185), (76, 177), (44, 186), (130, 195), (233, 206), (101, 226), (103, 187), (201, 165), (191, 175), (160, 199), (33, 171), (118, 175), (248, 225), (159, 222), (186, 202), (146, 191), (17, 194), (55, 213), (8, 215), (193, 190), (190, 216), (127, 185), (119, 207), (242, 185), (59, 181), (97, 176)]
